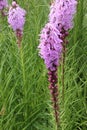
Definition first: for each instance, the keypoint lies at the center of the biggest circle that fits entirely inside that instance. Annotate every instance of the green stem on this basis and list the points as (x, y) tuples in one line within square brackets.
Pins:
[(24, 80), (63, 72), (22, 65)]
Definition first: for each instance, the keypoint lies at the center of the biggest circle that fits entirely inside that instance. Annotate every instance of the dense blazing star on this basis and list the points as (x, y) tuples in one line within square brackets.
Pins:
[(53, 42), (50, 50), (16, 17), (3, 4), (50, 46), (61, 16), (62, 13)]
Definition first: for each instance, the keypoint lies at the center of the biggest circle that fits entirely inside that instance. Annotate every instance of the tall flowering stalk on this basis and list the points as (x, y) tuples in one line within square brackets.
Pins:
[(3, 4), (16, 19), (53, 43), (61, 16), (51, 50)]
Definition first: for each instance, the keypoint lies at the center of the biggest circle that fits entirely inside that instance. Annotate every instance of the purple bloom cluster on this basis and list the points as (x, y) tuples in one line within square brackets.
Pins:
[(3, 4), (50, 46), (16, 17), (62, 13), (54, 33)]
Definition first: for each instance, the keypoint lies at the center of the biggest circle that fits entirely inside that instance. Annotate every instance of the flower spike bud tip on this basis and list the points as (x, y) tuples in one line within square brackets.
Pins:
[(62, 13)]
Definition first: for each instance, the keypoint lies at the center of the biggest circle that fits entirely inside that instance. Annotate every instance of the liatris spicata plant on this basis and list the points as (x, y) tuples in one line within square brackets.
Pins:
[(53, 42), (61, 16), (50, 50), (16, 19), (3, 4)]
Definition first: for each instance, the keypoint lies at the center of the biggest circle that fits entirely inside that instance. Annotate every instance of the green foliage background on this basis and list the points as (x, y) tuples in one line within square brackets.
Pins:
[(24, 96)]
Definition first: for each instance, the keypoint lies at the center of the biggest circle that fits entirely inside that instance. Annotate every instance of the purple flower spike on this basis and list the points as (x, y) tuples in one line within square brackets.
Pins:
[(62, 13), (3, 4), (50, 46), (53, 44), (61, 16), (16, 17)]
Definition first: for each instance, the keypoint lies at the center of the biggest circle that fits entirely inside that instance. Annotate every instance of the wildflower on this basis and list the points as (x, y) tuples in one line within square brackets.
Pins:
[(61, 16), (62, 13), (50, 46), (16, 19), (51, 50), (3, 4), (53, 41)]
